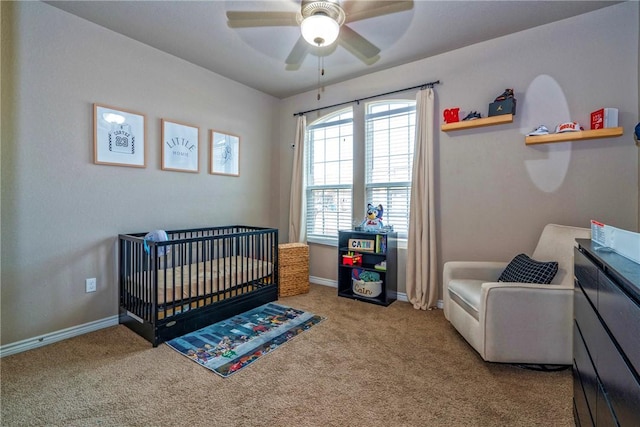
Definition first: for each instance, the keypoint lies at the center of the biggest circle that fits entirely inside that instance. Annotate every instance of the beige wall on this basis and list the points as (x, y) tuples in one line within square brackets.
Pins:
[(61, 214), (490, 207)]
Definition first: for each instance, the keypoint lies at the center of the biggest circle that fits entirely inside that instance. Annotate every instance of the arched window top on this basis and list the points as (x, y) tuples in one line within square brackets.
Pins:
[(333, 119)]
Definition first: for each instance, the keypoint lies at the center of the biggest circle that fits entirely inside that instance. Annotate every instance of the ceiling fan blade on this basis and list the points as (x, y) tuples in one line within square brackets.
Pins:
[(239, 19), (357, 10), (297, 55), (358, 45)]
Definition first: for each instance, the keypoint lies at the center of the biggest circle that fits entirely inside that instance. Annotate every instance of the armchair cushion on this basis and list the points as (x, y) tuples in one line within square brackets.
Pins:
[(465, 293), (523, 269)]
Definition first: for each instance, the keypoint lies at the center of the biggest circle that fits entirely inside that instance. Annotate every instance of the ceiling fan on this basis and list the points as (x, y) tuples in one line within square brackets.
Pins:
[(322, 22)]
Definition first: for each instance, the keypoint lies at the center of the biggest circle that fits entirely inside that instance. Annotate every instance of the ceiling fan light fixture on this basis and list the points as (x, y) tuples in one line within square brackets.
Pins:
[(320, 30)]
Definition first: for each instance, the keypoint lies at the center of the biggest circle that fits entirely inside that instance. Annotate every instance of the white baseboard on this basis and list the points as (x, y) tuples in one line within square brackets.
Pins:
[(50, 338), (332, 283), (322, 281)]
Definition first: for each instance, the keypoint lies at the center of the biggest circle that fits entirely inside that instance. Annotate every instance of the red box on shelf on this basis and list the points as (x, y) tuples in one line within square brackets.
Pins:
[(355, 259), (597, 119), (604, 118)]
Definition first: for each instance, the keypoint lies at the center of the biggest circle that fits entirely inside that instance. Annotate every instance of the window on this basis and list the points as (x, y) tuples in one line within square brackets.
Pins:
[(382, 173), (329, 173), (389, 139)]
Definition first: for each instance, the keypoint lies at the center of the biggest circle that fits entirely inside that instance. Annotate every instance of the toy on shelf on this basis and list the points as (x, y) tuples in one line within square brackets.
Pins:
[(373, 219), (352, 258)]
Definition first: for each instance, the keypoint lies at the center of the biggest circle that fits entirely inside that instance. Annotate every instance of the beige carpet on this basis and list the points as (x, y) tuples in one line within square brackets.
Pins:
[(364, 366)]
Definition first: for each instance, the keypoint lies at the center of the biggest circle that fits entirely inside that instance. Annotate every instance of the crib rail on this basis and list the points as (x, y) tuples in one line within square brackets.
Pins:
[(194, 268)]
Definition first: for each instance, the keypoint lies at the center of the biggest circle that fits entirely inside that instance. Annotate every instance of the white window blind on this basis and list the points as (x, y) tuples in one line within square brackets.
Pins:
[(389, 140), (329, 167)]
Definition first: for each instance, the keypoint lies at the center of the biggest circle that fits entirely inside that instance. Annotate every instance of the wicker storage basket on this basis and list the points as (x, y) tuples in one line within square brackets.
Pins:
[(293, 269)]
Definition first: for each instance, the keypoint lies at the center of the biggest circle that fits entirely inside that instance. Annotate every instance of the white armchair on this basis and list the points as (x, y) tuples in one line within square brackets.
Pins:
[(516, 322)]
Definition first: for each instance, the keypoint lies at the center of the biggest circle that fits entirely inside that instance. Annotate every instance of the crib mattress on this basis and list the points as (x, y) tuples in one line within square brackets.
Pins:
[(204, 278)]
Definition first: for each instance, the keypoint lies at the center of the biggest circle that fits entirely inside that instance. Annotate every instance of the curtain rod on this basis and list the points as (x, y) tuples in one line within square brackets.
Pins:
[(422, 86)]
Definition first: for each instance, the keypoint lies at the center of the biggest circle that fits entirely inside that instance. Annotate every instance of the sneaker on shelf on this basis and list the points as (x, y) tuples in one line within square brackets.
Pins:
[(540, 130), (569, 127), (508, 93), (382, 265), (472, 116)]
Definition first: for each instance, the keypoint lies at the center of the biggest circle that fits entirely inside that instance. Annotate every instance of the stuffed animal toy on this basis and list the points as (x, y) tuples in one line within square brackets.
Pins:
[(373, 219), (157, 236)]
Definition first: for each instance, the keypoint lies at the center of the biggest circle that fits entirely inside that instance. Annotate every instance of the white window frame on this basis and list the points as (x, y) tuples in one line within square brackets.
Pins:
[(404, 112), (359, 187), (329, 120)]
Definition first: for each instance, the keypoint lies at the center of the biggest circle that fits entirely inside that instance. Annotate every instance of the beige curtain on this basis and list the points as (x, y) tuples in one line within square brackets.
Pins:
[(297, 204), (422, 281)]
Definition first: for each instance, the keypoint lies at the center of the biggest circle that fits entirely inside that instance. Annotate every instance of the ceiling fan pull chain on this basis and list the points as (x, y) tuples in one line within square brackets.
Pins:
[(320, 73)]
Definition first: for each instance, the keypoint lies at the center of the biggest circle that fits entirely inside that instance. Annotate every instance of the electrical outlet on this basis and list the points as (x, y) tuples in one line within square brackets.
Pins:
[(90, 284)]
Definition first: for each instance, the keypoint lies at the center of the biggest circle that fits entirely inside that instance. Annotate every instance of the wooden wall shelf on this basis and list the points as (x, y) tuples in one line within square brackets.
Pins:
[(470, 124), (574, 136)]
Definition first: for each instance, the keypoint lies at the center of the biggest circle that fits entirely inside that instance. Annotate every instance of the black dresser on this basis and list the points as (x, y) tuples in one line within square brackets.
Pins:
[(606, 339)]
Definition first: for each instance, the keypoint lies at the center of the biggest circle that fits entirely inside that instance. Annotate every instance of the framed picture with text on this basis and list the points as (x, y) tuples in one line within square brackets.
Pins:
[(224, 154), (180, 147), (119, 137)]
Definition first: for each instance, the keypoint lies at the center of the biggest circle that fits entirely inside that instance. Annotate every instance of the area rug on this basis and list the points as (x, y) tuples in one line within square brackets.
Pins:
[(228, 346)]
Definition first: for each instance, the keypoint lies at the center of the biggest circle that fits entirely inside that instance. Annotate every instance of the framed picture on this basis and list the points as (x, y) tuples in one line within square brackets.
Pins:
[(119, 137), (225, 154), (180, 147)]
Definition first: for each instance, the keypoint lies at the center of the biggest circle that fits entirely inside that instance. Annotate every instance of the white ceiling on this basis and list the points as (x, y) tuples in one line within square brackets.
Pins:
[(197, 31)]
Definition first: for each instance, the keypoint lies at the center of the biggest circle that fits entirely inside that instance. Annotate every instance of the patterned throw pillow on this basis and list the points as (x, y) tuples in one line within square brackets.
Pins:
[(523, 269)]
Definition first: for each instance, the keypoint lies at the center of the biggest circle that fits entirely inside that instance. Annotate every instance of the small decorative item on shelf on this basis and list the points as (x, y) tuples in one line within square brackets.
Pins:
[(503, 104), (451, 115), (540, 130), (352, 258), (604, 118), (473, 115), (366, 283), (362, 244), (373, 218), (569, 127), (382, 265), (381, 244)]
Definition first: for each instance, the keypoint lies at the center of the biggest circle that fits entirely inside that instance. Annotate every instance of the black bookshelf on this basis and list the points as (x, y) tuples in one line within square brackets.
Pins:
[(374, 247)]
